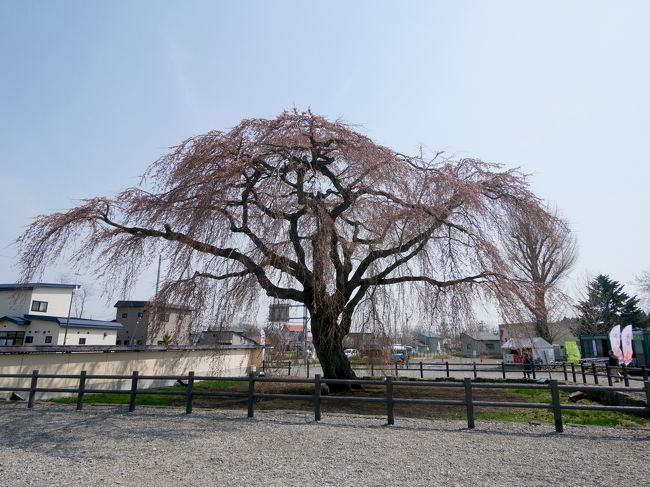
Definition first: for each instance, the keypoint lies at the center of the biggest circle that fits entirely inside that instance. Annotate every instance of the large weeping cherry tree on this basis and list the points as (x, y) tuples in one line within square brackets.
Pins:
[(302, 209)]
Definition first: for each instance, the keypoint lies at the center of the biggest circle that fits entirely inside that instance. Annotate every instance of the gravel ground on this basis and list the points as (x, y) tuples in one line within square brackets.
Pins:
[(101, 446)]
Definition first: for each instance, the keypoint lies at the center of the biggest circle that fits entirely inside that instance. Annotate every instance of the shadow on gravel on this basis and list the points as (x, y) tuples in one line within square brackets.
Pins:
[(64, 432), (60, 431)]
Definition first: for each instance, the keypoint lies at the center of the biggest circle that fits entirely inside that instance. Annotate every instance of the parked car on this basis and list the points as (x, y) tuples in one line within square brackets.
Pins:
[(399, 357), (351, 352), (399, 354)]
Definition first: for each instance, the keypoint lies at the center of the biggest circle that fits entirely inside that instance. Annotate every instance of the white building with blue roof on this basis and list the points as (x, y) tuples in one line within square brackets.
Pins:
[(37, 314)]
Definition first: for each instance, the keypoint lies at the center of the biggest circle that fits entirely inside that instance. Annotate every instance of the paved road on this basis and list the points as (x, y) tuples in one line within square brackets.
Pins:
[(439, 371)]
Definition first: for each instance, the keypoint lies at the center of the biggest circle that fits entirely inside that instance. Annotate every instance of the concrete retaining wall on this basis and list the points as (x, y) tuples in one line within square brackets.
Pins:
[(230, 362)]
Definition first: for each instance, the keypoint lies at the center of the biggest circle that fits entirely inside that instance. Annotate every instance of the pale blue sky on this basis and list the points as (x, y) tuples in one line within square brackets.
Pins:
[(92, 92)]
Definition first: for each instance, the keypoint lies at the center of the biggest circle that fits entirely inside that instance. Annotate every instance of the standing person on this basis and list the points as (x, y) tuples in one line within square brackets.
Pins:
[(612, 361), (527, 365)]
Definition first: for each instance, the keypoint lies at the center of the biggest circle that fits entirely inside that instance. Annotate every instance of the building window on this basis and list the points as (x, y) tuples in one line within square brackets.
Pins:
[(125, 315), (126, 342), (489, 346), (165, 317), (139, 342), (82, 341), (40, 306), (12, 337), (118, 342), (29, 339), (140, 315), (48, 339)]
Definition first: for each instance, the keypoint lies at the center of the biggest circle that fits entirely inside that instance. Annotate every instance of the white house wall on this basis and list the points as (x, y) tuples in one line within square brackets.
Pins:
[(39, 329), (58, 301), (92, 336), (15, 302)]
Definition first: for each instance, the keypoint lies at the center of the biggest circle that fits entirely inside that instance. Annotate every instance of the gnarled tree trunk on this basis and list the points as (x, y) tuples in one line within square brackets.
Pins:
[(328, 341)]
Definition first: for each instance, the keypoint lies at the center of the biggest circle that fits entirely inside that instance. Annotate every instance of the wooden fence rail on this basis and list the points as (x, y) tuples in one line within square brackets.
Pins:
[(389, 397)]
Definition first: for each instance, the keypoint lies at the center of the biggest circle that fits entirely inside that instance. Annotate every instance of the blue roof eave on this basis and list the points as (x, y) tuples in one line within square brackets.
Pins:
[(33, 285), (79, 322), (18, 320)]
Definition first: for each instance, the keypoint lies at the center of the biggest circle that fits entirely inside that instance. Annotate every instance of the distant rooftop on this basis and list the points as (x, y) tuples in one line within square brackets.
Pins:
[(33, 285), (430, 334), (484, 336), (73, 322), (131, 304), (142, 304)]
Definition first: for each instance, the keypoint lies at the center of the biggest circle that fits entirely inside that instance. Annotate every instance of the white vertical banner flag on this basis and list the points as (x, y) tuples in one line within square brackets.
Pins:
[(626, 339), (615, 341)]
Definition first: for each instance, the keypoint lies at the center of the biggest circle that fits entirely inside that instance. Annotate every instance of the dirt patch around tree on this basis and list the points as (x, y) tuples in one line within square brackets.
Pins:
[(345, 403)]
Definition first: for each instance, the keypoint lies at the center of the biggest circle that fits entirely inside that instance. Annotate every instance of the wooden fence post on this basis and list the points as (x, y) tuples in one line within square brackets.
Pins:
[(557, 410), (396, 372), (190, 393), (469, 404), (646, 385), (32, 389), (566, 377), (372, 369), (289, 368), (447, 367), (584, 376), (421, 370), (263, 366), (475, 373), (82, 390), (134, 390), (593, 370), (573, 372), (308, 368), (645, 373), (251, 394), (503, 369), (625, 376), (317, 398), (390, 406), (609, 375)]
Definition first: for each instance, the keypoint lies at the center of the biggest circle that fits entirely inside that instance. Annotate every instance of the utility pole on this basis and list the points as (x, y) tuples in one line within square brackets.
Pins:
[(304, 333), (158, 275), (67, 322)]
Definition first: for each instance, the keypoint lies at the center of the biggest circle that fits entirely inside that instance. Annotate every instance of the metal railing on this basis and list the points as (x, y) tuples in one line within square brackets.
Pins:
[(316, 398), (570, 371)]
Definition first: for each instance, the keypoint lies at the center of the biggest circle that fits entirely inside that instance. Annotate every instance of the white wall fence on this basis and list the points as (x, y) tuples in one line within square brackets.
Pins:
[(222, 361)]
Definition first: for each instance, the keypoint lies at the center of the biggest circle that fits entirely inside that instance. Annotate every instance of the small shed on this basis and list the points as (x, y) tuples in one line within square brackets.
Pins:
[(427, 342), (480, 343), (542, 350)]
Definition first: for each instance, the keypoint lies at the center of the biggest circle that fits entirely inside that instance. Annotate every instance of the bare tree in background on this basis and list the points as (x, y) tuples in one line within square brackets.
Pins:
[(541, 251), (643, 283), (79, 295), (303, 209)]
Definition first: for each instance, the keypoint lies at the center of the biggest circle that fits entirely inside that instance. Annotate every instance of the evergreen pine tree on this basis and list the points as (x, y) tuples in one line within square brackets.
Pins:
[(607, 305)]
